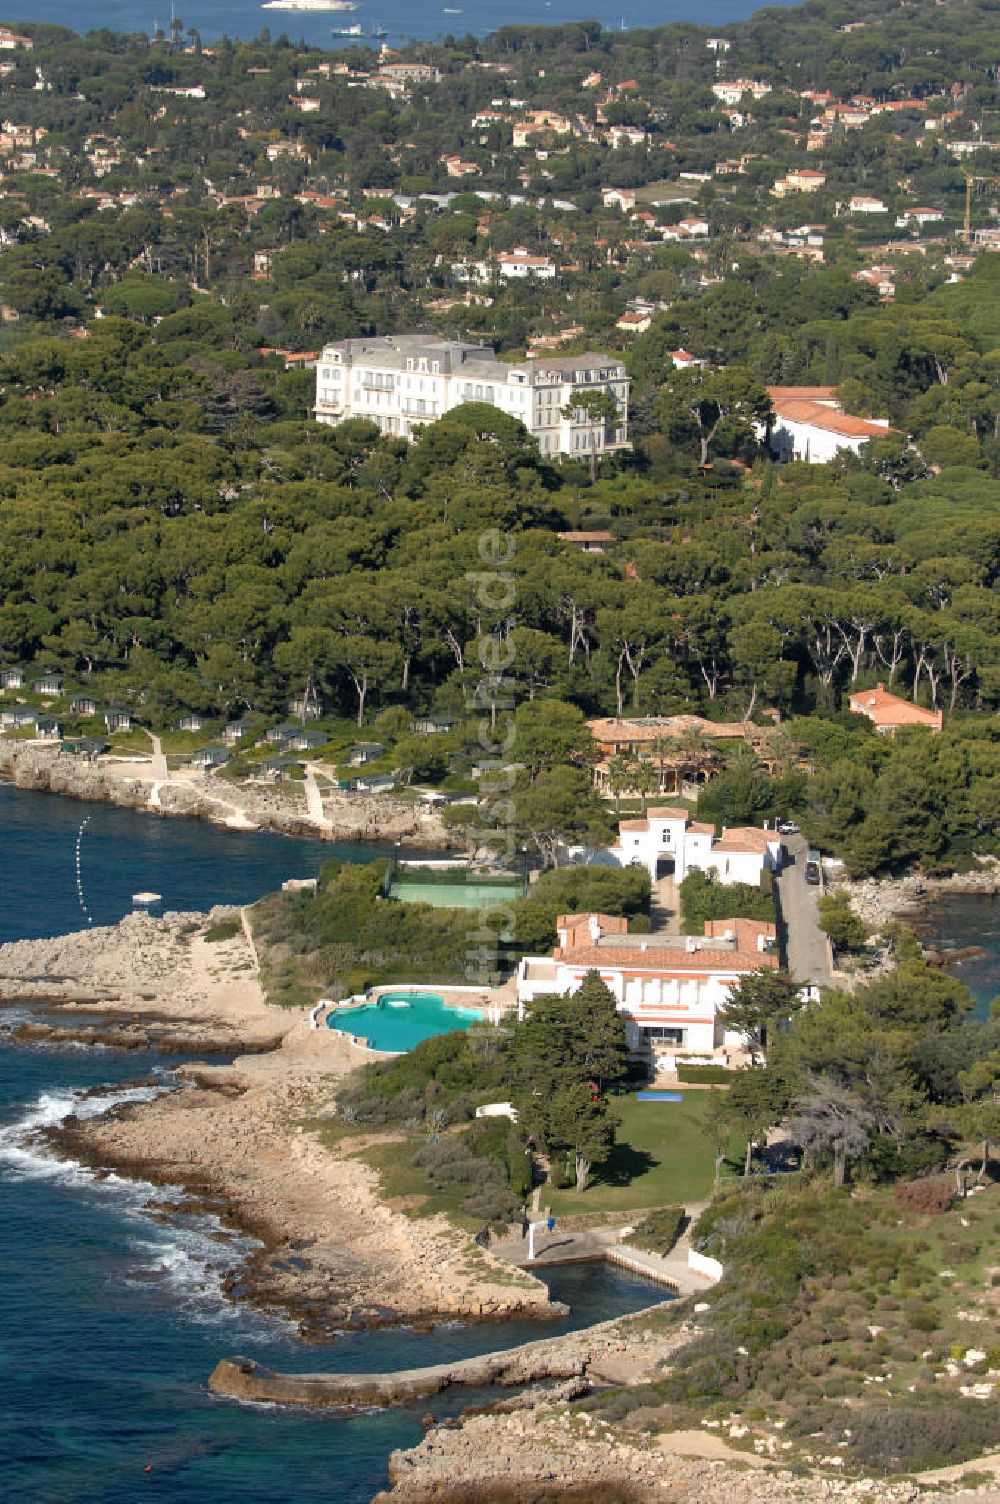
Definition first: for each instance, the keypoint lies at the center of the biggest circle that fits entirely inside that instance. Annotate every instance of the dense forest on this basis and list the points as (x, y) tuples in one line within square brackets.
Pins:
[(177, 535)]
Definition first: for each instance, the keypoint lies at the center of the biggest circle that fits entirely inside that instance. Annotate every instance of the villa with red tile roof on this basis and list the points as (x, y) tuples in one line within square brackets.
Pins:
[(810, 425), (887, 712), (672, 988)]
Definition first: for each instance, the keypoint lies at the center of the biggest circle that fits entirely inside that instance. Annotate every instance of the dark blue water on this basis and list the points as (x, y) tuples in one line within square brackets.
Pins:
[(191, 863), (956, 921), (245, 18), (110, 1319)]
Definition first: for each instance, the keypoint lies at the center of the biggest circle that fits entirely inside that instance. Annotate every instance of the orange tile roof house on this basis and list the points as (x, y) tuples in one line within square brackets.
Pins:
[(810, 425), (887, 712), (672, 989)]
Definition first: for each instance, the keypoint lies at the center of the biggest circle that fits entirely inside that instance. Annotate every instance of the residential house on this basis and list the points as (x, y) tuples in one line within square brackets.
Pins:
[(48, 728), (47, 685), (411, 73), (619, 198), (810, 425), (594, 542), (190, 722), (733, 91), (83, 705), (11, 678), (802, 180), (88, 747), (433, 725), (307, 741), (235, 731), (117, 719), (519, 263), (861, 203), (672, 988), (919, 217), (633, 323), (364, 752), (209, 758), (375, 783), (10, 41), (17, 718), (277, 736), (887, 712), (456, 168), (667, 841)]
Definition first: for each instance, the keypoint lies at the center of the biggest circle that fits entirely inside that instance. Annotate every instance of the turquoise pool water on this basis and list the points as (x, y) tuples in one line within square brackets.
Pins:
[(401, 1020)]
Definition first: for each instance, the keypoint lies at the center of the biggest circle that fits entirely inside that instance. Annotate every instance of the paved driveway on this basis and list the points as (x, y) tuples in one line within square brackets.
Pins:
[(807, 954)]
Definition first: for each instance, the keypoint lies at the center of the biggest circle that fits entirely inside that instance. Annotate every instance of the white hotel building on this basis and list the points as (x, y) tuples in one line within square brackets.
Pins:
[(404, 381)]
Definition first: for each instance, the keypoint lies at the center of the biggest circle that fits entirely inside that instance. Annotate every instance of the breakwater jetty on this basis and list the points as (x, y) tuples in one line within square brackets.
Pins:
[(570, 1356)]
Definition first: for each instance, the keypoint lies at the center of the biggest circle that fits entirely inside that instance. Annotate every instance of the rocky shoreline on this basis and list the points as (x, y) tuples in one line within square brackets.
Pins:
[(132, 784), (243, 1139), (880, 901)]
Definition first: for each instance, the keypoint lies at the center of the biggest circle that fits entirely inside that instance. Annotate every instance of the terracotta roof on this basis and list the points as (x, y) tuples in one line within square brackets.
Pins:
[(610, 729), (745, 838), (886, 709), (607, 958), (701, 828), (633, 824), (584, 537), (746, 931), (668, 812), (801, 393), (827, 418)]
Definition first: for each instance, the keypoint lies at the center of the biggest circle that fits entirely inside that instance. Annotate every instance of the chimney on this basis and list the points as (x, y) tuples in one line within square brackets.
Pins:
[(595, 928)]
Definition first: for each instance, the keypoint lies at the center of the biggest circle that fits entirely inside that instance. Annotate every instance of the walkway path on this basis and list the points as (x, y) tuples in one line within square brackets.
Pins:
[(159, 768), (314, 799)]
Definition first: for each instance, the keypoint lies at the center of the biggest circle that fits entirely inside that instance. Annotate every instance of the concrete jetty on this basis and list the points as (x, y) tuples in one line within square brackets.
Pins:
[(242, 1378)]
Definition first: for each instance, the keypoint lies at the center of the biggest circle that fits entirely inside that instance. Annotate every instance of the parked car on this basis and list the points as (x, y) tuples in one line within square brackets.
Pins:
[(788, 828)]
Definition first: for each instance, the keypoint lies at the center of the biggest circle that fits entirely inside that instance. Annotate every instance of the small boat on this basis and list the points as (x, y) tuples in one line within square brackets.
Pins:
[(347, 31), (450, 10), (145, 899)]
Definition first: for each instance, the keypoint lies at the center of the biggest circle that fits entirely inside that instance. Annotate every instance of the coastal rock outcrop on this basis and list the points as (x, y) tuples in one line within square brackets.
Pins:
[(131, 784)]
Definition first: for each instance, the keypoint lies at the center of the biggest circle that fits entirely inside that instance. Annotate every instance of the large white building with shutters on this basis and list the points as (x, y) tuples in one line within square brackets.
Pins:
[(404, 381)]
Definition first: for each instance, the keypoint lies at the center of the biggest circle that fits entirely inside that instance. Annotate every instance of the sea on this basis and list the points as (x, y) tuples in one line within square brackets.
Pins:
[(432, 22), (112, 1314)]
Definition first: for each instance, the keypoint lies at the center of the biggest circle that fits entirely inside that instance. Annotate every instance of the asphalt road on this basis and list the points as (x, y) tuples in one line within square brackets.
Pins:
[(806, 951)]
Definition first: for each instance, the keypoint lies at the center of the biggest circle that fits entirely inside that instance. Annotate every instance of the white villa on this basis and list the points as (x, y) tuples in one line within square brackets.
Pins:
[(673, 988), (668, 841), (404, 381), (810, 425)]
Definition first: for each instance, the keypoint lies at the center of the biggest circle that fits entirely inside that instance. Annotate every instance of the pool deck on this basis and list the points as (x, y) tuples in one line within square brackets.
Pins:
[(492, 1002)]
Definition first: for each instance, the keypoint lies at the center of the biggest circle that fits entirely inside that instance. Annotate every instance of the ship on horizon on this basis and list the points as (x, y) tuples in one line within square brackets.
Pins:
[(310, 5), (376, 31)]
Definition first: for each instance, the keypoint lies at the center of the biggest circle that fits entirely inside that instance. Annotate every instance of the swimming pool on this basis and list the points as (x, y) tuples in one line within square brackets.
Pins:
[(401, 1020)]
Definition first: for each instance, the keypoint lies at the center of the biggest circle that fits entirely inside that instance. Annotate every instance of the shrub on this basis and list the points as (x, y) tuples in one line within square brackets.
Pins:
[(225, 929), (659, 1231), (707, 1075), (931, 1195)]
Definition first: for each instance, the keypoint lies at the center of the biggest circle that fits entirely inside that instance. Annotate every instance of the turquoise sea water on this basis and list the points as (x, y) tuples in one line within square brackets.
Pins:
[(112, 1318), (401, 1020)]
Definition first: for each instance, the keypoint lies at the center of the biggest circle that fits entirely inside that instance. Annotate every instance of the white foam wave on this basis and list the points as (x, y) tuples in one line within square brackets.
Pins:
[(188, 1256)]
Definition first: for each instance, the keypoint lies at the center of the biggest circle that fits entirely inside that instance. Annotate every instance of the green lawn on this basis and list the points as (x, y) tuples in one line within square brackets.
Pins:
[(665, 1156)]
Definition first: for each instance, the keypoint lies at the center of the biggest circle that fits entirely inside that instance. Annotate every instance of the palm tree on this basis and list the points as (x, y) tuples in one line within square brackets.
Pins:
[(645, 780), (619, 779)]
